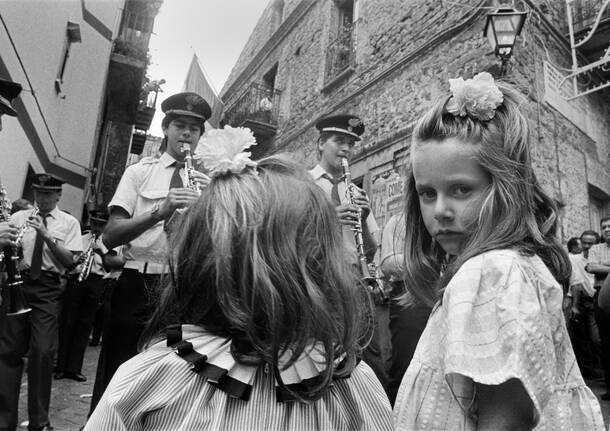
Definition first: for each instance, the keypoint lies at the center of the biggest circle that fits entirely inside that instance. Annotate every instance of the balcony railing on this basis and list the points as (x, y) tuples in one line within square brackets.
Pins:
[(340, 54), (258, 104), (584, 13), (134, 36)]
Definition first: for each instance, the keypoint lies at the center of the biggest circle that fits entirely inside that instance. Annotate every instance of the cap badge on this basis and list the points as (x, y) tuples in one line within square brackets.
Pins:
[(193, 99), (354, 122), (43, 179)]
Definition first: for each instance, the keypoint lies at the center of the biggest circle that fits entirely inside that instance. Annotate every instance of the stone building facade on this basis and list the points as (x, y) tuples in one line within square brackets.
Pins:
[(387, 60)]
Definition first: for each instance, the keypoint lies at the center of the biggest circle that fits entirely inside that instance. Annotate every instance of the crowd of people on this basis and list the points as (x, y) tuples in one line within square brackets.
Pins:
[(257, 295)]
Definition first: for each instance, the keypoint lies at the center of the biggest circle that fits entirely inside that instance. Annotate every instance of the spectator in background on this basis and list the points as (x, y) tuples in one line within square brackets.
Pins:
[(599, 265), (580, 314), (407, 322), (587, 239)]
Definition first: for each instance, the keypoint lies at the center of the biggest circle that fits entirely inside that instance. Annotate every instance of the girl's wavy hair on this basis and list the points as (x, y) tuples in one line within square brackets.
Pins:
[(516, 213), (260, 259)]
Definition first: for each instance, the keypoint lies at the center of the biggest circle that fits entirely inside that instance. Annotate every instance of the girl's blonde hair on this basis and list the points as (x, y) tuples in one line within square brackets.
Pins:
[(517, 213), (260, 259)]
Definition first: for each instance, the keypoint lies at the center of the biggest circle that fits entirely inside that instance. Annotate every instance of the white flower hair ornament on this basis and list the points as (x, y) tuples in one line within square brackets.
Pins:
[(222, 150), (478, 97)]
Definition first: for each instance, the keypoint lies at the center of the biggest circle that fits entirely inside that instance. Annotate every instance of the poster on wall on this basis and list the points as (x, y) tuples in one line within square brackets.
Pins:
[(386, 196)]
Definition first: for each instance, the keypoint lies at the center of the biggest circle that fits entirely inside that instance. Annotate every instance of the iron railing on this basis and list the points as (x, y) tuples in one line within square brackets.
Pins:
[(584, 13), (340, 54), (134, 36), (258, 103)]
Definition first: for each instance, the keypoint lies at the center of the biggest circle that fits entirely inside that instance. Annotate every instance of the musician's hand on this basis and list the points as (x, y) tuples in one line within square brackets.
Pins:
[(176, 198), (347, 214), (362, 201), (36, 223), (200, 178), (8, 234)]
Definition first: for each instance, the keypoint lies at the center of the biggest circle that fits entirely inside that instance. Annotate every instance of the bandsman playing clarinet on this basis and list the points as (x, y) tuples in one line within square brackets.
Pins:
[(8, 91), (85, 287), (50, 240), (338, 135), (147, 196)]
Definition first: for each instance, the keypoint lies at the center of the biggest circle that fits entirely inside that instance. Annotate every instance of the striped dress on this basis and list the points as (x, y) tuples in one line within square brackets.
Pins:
[(162, 390)]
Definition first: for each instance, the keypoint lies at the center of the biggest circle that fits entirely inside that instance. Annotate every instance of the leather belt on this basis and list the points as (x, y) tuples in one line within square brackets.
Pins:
[(146, 267)]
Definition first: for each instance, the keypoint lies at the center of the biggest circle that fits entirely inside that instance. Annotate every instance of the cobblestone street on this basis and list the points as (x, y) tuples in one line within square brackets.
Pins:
[(70, 400)]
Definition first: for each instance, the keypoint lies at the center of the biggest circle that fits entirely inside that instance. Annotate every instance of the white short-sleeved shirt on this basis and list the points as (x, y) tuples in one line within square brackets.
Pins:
[(579, 275), (141, 187), (392, 245), (61, 226), (319, 176), (599, 253), (500, 318)]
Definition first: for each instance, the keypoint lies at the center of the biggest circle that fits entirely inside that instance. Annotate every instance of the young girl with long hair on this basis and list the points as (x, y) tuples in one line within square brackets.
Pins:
[(262, 323), (480, 248)]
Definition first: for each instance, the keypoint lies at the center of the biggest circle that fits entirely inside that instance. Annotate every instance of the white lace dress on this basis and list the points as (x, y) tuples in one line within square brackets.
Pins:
[(500, 318)]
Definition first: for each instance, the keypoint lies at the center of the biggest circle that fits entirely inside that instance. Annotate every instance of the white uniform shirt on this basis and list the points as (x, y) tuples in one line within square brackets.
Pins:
[(319, 176), (392, 247), (61, 226), (141, 187), (599, 253), (579, 275)]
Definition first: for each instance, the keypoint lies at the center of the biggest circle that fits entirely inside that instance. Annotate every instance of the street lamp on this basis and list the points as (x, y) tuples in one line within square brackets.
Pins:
[(501, 29)]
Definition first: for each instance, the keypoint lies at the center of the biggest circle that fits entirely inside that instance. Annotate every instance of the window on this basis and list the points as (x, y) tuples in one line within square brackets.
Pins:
[(598, 206), (72, 36)]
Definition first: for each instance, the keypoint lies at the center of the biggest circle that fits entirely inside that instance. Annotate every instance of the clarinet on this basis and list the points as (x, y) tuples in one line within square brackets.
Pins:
[(368, 271), (189, 168), (87, 262), (12, 292)]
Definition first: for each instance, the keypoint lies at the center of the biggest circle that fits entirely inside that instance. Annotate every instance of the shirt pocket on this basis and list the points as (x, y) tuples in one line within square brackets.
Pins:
[(58, 234), (150, 197)]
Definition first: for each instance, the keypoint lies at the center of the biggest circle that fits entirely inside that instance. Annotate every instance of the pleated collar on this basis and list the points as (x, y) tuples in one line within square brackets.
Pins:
[(210, 357)]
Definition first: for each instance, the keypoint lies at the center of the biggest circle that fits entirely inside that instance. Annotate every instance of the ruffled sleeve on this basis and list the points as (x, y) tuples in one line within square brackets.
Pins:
[(500, 327)]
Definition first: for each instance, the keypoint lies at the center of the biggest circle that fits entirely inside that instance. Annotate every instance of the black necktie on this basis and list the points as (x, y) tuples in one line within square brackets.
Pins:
[(334, 191), (176, 181), (36, 266)]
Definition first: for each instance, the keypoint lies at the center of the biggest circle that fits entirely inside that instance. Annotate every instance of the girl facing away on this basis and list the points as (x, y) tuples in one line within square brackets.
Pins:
[(262, 323), (480, 248)]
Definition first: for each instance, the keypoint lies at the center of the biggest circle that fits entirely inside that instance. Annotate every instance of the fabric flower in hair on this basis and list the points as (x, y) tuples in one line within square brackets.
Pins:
[(222, 150), (477, 97)]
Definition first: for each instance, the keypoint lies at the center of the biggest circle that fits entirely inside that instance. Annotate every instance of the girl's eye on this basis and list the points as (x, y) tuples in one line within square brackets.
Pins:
[(462, 191), (427, 194)]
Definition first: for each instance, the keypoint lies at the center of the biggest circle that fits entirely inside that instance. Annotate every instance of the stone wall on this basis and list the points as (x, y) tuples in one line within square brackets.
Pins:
[(406, 50)]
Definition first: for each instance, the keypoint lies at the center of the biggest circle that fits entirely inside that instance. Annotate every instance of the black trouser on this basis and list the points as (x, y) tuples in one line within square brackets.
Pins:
[(603, 323), (130, 307), (585, 338), (377, 353), (103, 310), (34, 334), (407, 322), (79, 304)]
